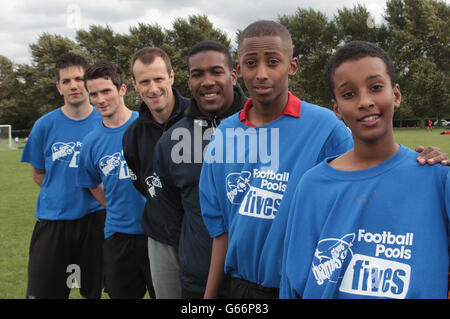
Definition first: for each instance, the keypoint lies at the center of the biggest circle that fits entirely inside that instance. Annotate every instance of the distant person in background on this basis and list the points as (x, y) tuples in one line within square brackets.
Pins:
[(445, 133), (430, 124), (68, 235), (127, 268)]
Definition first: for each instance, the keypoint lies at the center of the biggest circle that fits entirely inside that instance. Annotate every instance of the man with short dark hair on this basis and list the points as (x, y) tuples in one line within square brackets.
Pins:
[(68, 235), (162, 106), (179, 156), (104, 171)]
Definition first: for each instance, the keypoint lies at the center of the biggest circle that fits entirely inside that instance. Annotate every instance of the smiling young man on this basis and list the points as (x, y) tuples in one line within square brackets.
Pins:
[(179, 156), (69, 229), (103, 170), (162, 106), (244, 200), (241, 197), (349, 234)]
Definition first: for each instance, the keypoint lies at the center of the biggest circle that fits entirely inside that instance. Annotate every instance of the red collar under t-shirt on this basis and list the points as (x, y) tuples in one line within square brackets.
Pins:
[(292, 108)]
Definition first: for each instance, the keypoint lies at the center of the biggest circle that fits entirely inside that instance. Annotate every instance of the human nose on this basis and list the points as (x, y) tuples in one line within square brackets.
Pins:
[(100, 99), (73, 85), (153, 87), (207, 81), (261, 72), (365, 99)]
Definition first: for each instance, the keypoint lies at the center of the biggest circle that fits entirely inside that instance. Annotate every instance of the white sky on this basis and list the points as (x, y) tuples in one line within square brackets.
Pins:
[(23, 21)]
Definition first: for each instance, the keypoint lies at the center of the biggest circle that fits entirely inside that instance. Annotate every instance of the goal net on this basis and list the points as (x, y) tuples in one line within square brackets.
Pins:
[(6, 141)]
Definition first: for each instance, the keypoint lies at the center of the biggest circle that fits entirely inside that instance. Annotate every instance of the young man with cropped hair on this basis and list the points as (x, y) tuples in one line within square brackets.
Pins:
[(68, 236)]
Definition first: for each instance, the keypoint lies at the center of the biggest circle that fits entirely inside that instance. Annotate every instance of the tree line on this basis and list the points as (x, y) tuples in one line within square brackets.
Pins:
[(415, 33)]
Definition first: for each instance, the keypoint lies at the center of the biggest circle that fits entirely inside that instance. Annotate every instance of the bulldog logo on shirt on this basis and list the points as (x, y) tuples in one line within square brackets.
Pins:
[(66, 152), (237, 185), (114, 165), (330, 257)]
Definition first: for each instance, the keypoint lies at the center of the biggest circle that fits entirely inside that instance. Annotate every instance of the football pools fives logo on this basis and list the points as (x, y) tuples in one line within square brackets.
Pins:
[(330, 256), (237, 185), (335, 262)]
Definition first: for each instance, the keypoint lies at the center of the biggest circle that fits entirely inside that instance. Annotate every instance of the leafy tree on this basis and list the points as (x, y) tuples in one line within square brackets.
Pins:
[(184, 35), (314, 38), (415, 34), (420, 50)]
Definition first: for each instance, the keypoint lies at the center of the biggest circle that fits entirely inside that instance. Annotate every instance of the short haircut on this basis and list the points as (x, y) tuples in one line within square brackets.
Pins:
[(211, 46), (266, 28), (68, 60), (106, 70), (356, 50), (148, 54)]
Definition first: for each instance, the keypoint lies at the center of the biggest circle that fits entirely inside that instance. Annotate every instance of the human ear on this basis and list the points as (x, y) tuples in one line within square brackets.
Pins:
[(336, 110), (397, 96), (293, 66), (238, 69)]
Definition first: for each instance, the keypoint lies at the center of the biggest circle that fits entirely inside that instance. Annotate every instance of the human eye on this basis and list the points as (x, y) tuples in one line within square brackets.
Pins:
[(273, 62), (218, 71), (377, 87), (348, 94), (250, 63)]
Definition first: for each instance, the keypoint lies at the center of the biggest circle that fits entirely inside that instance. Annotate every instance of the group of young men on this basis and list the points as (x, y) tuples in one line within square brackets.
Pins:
[(201, 194)]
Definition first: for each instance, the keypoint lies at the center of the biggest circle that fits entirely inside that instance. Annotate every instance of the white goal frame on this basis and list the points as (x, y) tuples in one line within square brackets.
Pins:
[(9, 134)]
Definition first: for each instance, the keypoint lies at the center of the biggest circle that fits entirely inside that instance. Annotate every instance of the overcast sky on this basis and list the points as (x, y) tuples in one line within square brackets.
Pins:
[(22, 21)]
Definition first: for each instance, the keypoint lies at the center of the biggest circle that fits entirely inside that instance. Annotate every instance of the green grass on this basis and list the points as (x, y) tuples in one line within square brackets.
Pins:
[(412, 137), (18, 194)]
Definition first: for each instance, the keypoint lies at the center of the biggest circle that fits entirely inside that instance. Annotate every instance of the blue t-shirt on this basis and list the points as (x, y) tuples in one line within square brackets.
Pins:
[(54, 146), (379, 232), (102, 161), (245, 175)]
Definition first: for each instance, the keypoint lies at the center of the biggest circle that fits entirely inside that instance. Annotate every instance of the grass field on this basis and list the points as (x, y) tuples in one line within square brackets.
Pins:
[(18, 195)]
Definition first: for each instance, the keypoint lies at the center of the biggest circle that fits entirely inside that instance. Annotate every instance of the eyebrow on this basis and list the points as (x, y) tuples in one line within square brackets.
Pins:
[(209, 68), (370, 77), (265, 53)]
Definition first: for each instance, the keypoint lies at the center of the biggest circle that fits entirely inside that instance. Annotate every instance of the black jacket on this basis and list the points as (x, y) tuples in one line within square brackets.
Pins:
[(178, 162), (138, 144)]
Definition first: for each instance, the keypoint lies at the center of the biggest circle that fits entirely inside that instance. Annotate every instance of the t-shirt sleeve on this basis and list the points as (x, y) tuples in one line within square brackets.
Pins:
[(447, 207), (33, 152), (212, 212), (87, 173), (338, 142)]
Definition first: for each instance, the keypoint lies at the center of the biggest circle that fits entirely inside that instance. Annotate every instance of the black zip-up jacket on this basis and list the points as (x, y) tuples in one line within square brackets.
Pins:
[(138, 144), (178, 163)]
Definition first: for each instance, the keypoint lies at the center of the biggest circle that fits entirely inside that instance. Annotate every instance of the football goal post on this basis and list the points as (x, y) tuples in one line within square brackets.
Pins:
[(5, 137)]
